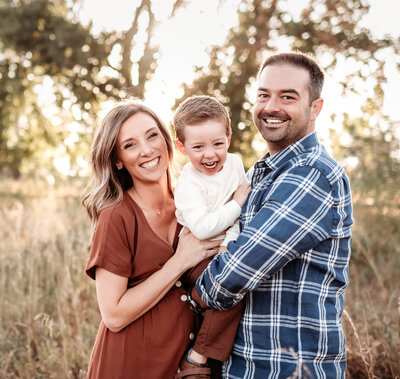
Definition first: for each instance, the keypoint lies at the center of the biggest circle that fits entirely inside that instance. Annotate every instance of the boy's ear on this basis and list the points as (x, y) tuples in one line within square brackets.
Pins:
[(229, 139), (181, 147)]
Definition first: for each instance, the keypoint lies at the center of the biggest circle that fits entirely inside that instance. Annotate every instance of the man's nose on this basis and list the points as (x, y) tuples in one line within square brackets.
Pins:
[(272, 105)]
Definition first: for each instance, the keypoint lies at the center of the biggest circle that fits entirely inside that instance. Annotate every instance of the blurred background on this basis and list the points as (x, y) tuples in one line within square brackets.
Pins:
[(64, 63)]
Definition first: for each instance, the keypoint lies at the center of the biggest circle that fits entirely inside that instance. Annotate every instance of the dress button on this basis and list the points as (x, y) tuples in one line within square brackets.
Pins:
[(178, 283), (191, 336), (183, 297)]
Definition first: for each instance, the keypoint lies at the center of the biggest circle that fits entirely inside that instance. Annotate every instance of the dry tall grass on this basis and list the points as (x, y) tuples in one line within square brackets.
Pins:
[(48, 313), (48, 310), (372, 317)]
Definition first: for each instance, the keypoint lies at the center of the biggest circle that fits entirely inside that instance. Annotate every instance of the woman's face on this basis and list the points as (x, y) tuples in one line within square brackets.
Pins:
[(141, 149)]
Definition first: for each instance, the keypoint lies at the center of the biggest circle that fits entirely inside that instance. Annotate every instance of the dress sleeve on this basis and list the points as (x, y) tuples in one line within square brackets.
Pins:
[(110, 246)]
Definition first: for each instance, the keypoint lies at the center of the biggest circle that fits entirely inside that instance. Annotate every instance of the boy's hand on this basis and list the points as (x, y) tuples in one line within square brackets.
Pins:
[(241, 193), (221, 249)]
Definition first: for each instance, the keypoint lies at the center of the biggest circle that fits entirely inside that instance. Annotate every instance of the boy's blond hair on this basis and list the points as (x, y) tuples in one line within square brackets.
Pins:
[(198, 109)]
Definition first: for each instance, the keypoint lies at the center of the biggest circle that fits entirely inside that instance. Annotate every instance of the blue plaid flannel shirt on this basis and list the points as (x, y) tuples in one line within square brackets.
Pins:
[(290, 264)]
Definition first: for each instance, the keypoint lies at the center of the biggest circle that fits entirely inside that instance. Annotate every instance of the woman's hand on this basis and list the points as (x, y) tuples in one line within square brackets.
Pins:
[(191, 250), (120, 306)]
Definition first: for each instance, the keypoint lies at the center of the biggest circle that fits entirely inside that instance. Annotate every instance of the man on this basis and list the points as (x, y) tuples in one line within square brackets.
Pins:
[(290, 261)]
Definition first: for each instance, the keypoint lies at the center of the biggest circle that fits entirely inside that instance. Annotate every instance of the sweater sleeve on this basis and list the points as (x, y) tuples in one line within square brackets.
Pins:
[(231, 234), (192, 211)]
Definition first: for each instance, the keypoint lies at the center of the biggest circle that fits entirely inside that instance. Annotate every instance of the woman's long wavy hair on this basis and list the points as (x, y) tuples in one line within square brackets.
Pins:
[(108, 183)]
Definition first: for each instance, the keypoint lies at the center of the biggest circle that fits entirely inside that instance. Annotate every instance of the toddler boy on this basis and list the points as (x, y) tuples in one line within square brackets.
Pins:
[(209, 195)]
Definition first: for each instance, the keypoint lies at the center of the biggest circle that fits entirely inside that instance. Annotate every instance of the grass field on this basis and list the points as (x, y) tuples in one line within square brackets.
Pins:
[(48, 309)]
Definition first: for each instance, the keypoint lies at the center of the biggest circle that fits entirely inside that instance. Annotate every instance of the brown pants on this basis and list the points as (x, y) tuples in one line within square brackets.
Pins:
[(218, 328)]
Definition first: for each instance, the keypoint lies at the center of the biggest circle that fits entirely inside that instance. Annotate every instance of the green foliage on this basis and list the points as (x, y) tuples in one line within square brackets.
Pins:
[(43, 40), (324, 28), (369, 147), (38, 40)]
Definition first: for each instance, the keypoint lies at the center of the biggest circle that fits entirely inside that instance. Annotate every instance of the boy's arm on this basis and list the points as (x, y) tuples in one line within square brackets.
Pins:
[(231, 234), (192, 212)]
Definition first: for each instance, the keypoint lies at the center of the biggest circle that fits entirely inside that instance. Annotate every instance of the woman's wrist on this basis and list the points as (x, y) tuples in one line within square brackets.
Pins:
[(176, 265)]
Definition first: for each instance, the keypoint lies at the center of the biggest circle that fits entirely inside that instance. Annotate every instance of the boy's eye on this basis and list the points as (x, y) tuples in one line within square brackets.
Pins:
[(219, 144), (197, 147)]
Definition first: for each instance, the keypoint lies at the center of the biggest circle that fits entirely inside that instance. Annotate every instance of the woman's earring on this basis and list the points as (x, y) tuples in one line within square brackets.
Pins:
[(119, 166)]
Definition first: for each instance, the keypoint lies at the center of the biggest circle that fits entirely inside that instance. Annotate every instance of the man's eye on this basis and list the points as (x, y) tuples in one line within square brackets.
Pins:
[(287, 97), (262, 95)]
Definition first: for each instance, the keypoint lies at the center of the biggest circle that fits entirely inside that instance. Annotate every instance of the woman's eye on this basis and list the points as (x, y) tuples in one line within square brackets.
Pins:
[(129, 145), (152, 135)]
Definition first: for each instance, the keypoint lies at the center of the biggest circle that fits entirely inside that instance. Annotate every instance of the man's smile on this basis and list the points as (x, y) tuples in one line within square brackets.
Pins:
[(274, 121)]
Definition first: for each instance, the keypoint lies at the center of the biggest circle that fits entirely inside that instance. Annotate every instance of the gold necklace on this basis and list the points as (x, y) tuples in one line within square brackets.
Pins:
[(158, 213)]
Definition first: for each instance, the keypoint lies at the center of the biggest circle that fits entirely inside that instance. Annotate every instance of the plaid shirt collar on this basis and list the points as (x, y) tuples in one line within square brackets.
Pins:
[(273, 162)]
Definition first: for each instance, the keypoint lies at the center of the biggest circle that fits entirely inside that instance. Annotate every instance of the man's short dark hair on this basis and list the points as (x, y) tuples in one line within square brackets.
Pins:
[(304, 61)]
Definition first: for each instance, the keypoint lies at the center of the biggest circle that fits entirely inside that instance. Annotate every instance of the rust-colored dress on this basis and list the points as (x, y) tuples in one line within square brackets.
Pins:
[(151, 346)]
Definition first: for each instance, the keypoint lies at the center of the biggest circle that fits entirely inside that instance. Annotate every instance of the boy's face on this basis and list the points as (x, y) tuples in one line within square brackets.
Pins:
[(206, 144)]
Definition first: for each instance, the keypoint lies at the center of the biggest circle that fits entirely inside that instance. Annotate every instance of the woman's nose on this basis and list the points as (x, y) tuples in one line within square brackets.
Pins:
[(146, 149)]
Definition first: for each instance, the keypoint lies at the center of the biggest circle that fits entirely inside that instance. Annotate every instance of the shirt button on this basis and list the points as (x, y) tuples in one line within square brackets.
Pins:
[(191, 336), (183, 297), (178, 283)]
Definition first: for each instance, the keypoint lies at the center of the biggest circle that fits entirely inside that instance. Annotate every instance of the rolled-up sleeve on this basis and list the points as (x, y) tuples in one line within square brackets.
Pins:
[(295, 214)]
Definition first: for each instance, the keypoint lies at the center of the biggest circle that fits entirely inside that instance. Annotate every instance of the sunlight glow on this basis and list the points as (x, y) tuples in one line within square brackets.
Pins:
[(184, 41), (185, 38)]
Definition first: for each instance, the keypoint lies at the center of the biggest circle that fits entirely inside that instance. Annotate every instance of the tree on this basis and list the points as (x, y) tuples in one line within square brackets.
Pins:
[(43, 40), (370, 151), (325, 28)]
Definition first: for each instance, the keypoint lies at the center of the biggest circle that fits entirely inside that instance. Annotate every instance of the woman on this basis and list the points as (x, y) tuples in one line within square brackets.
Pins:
[(135, 259)]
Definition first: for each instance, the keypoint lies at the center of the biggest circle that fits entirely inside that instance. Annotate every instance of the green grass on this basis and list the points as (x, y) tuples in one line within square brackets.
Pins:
[(49, 314)]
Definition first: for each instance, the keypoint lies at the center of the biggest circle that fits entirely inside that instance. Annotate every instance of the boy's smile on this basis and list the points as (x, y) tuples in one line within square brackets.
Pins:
[(206, 144)]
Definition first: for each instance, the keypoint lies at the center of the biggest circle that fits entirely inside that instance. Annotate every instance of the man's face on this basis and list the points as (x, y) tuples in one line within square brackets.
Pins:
[(282, 112)]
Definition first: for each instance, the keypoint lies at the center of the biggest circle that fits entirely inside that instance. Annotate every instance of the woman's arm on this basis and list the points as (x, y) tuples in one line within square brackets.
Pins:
[(120, 306)]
